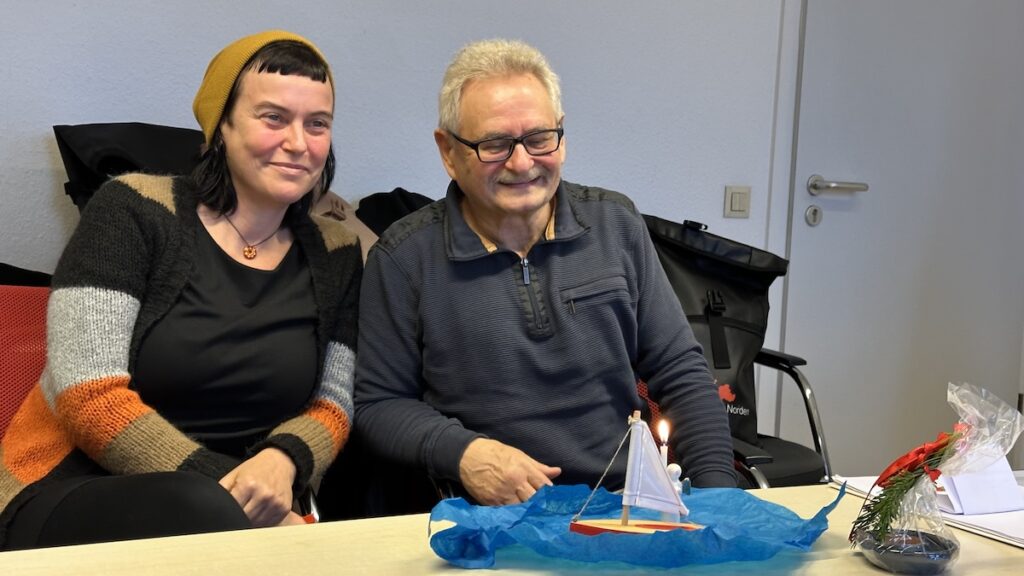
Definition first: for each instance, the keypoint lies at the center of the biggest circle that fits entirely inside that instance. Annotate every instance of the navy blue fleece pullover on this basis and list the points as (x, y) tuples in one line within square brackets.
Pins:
[(541, 353)]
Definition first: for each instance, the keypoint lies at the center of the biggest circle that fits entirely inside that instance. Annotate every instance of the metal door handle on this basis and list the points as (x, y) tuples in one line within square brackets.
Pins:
[(816, 185)]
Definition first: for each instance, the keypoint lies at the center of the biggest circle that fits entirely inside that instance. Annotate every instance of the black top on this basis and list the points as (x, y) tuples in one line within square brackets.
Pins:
[(236, 354)]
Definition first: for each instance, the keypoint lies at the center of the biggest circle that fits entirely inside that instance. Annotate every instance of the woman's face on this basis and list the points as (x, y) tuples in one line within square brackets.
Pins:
[(277, 137)]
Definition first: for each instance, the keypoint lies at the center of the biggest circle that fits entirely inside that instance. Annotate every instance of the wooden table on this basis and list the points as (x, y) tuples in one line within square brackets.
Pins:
[(398, 545)]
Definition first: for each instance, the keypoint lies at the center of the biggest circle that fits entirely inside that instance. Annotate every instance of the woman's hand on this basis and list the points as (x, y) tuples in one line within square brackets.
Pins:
[(262, 486), (292, 519)]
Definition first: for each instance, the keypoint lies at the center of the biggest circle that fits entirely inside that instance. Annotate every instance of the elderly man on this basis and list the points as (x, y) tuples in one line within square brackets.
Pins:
[(503, 328)]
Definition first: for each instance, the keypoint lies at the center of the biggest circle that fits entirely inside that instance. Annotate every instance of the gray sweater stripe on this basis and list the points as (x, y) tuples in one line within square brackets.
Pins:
[(88, 335)]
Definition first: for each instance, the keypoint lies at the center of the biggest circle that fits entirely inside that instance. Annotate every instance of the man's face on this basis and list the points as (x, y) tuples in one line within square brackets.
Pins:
[(507, 106)]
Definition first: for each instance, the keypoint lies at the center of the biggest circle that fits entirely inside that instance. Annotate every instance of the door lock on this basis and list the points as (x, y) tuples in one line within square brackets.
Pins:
[(813, 215)]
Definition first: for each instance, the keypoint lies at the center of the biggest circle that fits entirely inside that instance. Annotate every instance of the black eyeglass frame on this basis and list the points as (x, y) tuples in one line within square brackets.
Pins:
[(515, 142)]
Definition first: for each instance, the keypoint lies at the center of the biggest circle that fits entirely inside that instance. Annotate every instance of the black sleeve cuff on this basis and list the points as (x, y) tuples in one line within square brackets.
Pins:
[(209, 463), (297, 450)]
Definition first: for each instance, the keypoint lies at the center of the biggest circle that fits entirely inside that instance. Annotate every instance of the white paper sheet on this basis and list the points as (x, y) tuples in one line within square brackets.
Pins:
[(987, 491)]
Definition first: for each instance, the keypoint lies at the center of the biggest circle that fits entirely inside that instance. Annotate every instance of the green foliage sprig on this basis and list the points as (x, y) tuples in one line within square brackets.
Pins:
[(880, 511)]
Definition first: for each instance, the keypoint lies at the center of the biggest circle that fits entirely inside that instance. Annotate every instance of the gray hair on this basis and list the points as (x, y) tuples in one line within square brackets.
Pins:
[(487, 59)]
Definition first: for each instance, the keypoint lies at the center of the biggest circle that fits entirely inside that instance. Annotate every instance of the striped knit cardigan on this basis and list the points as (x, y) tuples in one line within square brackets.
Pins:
[(124, 267)]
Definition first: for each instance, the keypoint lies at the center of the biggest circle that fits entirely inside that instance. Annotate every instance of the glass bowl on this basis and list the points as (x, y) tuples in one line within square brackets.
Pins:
[(910, 551)]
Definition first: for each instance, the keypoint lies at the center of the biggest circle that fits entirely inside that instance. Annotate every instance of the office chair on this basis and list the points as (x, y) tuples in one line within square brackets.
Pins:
[(23, 297), (723, 288)]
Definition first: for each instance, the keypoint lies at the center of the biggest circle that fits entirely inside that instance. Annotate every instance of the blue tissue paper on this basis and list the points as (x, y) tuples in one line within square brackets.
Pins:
[(738, 526)]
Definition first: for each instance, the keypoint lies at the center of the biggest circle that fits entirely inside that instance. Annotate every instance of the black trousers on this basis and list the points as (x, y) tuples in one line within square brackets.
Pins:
[(85, 510)]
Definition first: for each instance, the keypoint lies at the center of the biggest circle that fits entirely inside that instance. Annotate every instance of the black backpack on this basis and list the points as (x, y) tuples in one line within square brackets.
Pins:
[(723, 287)]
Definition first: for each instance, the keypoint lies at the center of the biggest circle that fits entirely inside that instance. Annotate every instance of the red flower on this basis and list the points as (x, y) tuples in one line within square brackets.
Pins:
[(914, 459)]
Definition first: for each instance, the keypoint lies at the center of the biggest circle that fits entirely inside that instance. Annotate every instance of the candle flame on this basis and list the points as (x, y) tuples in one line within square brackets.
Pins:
[(663, 431)]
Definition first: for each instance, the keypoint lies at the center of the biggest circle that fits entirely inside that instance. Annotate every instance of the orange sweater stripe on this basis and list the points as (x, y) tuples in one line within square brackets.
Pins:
[(34, 443), (333, 419), (101, 409)]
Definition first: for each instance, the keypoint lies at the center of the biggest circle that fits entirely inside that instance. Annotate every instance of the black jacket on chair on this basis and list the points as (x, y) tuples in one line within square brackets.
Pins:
[(94, 153)]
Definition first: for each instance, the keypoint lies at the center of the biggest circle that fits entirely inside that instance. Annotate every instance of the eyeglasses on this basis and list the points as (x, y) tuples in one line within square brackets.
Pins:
[(539, 143)]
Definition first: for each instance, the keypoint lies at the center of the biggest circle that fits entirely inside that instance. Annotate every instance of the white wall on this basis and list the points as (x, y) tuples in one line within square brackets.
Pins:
[(666, 100)]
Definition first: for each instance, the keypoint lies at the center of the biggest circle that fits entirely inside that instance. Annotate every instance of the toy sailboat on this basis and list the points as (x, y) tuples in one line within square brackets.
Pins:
[(648, 485)]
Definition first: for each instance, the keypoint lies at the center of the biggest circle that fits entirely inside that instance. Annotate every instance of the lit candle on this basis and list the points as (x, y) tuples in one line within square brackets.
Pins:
[(663, 433)]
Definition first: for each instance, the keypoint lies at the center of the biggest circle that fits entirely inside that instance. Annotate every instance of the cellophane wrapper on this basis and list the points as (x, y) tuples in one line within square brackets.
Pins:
[(919, 541)]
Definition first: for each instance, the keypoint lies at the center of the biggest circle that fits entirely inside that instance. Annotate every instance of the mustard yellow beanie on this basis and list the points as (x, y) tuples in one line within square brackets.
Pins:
[(224, 69)]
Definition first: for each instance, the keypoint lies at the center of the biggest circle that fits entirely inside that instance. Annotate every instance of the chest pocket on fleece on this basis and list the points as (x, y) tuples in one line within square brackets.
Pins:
[(600, 292)]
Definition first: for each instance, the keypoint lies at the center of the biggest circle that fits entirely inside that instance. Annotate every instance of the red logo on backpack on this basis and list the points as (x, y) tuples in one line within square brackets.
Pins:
[(726, 394)]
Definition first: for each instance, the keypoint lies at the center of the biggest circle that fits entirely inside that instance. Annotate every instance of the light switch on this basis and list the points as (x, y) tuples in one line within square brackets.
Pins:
[(737, 201)]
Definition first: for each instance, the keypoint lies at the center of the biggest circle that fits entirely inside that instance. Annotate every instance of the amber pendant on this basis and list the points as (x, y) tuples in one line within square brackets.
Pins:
[(249, 252)]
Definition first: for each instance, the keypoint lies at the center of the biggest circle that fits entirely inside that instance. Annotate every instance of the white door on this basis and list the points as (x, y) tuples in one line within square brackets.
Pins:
[(920, 280)]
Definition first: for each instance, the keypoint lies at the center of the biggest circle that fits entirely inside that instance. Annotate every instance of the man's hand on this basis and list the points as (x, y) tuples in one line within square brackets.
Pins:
[(495, 473), (262, 486)]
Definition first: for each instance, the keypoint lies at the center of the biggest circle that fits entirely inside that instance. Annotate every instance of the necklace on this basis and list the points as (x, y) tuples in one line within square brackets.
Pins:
[(249, 252)]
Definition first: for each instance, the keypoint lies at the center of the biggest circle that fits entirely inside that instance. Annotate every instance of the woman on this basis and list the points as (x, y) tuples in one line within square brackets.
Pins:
[(201, 330)]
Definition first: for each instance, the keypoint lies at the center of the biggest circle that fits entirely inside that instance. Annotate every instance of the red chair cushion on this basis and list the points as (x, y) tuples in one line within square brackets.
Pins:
[(22, 345)]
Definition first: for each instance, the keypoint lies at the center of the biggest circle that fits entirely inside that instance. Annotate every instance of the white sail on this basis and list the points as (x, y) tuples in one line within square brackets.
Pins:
[(648, 484)]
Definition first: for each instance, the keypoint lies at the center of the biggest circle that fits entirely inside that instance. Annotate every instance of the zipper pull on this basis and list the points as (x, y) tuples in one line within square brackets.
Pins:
[(525, 262)]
